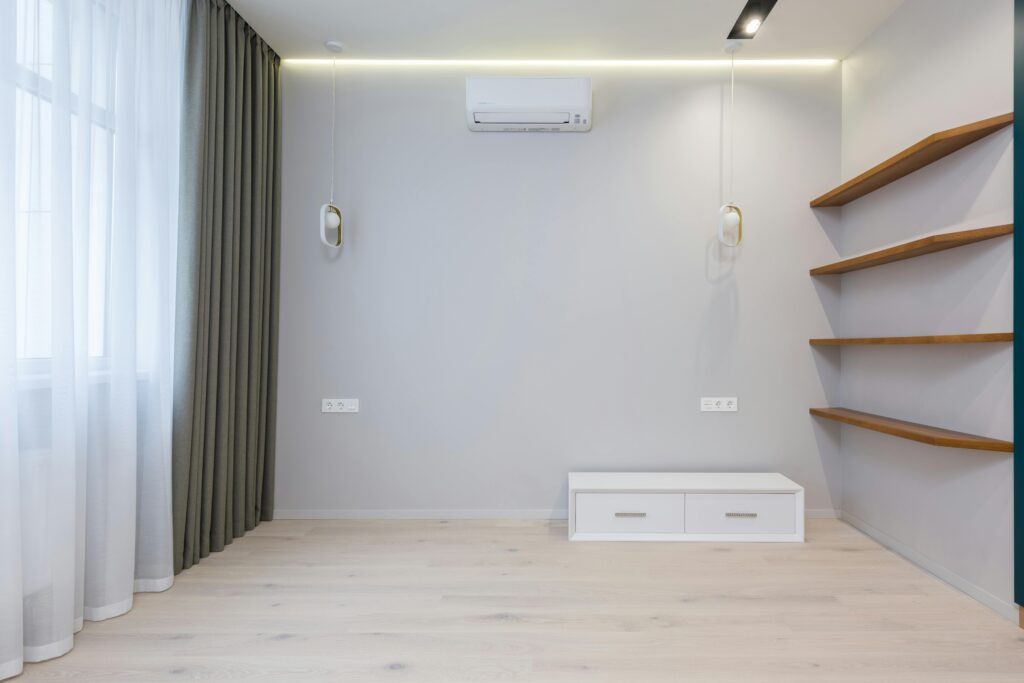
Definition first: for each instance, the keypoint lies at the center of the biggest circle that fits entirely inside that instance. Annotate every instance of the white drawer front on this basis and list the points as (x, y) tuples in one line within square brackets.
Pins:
[(740, 513), (641, 513)]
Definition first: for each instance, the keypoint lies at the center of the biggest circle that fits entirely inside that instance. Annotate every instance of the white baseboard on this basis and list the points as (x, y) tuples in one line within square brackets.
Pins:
[(812, 513), (421, 514), (1006, 609)]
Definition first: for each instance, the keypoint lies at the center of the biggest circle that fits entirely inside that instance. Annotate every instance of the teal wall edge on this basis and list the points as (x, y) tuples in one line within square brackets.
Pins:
[(1018, 310)]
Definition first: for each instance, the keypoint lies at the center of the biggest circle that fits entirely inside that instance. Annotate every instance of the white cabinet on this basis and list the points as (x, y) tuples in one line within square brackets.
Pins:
[(677, 506)]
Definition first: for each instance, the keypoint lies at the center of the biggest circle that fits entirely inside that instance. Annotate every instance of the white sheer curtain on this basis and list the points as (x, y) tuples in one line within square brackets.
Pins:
[(90, 101)]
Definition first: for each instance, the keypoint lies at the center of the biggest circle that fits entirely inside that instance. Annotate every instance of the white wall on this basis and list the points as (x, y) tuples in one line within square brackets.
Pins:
[(933, 65), (510, 307)]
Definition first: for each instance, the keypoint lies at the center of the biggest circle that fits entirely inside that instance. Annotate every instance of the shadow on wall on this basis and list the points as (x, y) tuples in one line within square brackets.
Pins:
[(828, 362), (827, 435), (964, 388), (718, 323), (948, 292), (830, 221), (939, 197), (829, 288)]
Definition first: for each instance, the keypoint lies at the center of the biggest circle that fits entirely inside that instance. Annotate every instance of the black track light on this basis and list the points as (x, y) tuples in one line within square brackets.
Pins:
[(751, 18)]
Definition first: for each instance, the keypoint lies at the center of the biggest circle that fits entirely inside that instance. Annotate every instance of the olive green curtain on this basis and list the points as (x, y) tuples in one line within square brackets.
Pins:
[(225, 373)]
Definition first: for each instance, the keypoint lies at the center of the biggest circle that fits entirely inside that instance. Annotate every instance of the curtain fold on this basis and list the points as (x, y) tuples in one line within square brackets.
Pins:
[(225, 381), (89, 115)]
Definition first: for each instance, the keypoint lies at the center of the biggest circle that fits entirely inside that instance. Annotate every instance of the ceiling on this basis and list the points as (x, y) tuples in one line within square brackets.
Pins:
[(557, 29)]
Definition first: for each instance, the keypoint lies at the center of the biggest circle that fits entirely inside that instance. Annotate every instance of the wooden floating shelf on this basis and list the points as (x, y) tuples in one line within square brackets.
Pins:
[(919, 247), (913, 431), (917, 156), (936, 339)]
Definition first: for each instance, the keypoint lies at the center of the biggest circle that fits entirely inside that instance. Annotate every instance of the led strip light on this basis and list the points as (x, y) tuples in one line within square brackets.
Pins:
[(564, 63)]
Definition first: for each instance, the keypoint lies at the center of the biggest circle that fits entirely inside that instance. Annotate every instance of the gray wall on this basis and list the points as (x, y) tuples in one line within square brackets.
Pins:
[(510, 307), (932, 65)]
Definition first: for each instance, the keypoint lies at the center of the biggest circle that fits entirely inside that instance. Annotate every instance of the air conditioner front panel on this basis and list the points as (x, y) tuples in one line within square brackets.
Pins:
[(504, 104)]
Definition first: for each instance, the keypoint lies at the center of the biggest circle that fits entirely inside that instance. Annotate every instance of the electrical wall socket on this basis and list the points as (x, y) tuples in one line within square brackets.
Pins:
[(339, 405), (719, 404)]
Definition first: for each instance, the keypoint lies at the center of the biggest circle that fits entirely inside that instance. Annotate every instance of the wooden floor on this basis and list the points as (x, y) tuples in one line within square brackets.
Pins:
[(514, 601)]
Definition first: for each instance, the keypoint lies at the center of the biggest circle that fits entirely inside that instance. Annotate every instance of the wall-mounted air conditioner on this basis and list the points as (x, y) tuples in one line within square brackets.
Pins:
[(527, 105)]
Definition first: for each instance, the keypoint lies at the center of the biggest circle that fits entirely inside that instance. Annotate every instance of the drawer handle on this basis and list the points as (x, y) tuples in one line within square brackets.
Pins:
[(630, 514), (741, 514)]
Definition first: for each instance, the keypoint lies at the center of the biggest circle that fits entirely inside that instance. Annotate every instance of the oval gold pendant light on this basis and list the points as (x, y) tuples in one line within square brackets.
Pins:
[(730, 225), (730, 217), (330, 215)]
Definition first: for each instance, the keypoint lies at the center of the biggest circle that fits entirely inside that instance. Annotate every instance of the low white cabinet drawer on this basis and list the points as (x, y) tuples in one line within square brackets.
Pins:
[(638, 513), (740, 513)]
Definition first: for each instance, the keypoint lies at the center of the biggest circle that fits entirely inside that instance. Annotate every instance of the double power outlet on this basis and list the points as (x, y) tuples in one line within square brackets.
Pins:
[(719, 404), (339, 405)]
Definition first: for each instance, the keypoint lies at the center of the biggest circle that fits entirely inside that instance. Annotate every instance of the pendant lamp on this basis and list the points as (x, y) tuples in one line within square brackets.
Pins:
[(330, 214), (730, 217)]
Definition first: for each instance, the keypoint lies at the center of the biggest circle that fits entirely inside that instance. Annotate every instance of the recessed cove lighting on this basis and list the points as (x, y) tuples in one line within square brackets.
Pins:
[(344, 62), (751, 19)]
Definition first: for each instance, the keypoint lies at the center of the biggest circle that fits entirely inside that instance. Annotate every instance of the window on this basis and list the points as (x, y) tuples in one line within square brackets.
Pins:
[(63, 191)]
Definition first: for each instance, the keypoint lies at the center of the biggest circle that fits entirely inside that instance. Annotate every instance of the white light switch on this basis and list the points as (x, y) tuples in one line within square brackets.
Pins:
[(339, 405), (719, 404)]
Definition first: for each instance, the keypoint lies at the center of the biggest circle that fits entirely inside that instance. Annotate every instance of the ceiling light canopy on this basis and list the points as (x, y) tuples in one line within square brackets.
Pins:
[(751, 19)]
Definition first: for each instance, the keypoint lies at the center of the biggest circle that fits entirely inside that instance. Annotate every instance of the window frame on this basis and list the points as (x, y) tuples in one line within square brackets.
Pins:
[(34, 84)]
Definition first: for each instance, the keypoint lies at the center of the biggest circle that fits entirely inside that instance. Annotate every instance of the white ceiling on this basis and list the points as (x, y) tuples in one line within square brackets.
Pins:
[(557, 29)]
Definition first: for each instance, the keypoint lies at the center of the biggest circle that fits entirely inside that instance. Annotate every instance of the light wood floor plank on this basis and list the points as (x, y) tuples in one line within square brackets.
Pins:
[(513, 600)]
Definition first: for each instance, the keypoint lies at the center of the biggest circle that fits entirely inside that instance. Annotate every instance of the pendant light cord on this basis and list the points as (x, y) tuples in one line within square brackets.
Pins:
[(732, 122), (334, 119)]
